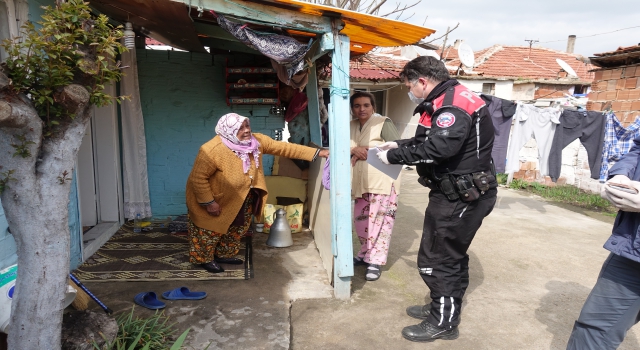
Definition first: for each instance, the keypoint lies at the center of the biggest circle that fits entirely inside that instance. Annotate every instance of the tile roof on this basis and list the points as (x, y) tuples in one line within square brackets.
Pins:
[(623, 56), (520, 62), (376, 67), (620, 50)]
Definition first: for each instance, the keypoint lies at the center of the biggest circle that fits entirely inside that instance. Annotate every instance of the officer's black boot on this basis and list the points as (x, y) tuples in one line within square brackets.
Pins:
[(426, 332), (420, 312)]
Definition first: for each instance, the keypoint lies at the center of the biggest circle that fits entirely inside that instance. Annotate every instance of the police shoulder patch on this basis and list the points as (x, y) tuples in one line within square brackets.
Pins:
[(445, 120)]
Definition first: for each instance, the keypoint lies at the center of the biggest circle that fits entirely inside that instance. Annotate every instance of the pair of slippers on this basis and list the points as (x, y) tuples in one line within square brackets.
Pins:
[(150, 299)]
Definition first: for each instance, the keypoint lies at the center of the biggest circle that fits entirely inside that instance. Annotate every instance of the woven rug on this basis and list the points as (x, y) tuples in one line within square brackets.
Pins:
[(155, 255)]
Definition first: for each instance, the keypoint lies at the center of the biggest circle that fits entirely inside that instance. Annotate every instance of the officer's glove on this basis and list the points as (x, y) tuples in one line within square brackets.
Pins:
[(382, 155), (387, 146), (625, 201), (604, 193)]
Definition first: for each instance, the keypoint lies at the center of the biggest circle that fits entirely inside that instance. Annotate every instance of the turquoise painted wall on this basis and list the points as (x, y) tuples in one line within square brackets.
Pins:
[(183, 96)]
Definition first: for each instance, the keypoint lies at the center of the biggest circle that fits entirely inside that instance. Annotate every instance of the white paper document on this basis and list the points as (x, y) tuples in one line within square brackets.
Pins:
[(391, 170)]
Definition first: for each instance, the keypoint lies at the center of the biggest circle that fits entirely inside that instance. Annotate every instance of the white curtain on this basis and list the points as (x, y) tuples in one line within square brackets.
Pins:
[(134, 147)]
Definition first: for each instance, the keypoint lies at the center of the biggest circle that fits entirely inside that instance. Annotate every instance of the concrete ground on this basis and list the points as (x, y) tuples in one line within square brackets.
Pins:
[(532, 265)]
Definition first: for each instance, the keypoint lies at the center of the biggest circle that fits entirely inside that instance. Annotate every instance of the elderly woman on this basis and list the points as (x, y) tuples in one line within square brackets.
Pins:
[(375, 193), (227, 186)]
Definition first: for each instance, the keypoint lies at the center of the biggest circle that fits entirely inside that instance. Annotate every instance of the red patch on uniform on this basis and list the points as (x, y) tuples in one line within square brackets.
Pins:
[(425, 120), (445, 120)]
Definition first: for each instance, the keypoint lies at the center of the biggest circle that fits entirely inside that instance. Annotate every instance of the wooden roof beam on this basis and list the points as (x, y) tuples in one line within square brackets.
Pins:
[(266, 15)]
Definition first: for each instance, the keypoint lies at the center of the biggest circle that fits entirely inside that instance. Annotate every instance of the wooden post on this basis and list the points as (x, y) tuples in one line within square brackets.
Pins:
[(340, 192), (315, 126)]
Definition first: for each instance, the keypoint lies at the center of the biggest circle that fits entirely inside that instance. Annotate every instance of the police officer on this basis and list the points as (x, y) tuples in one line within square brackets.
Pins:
[(452, 154)]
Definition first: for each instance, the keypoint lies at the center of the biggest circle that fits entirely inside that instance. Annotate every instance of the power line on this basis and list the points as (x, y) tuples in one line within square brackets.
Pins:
[(588, 36)]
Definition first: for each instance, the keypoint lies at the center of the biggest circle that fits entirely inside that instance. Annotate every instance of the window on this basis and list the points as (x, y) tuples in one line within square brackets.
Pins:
[(489, 88)]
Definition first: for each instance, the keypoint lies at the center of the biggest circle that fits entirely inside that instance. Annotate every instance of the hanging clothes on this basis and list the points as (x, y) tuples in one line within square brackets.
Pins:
[(539, 123), (501, 112), (583, 125), (285, 50), (617, 142)]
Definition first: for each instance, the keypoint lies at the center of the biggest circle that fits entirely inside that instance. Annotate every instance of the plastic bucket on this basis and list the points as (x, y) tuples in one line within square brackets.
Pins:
[(7, 285)]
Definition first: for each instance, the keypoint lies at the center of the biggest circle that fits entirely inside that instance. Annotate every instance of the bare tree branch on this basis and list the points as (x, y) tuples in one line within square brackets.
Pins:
[(445, 34), (402, 9), (377, 6)]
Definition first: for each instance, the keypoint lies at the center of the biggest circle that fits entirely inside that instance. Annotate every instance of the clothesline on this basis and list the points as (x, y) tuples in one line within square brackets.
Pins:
[(600, 132)]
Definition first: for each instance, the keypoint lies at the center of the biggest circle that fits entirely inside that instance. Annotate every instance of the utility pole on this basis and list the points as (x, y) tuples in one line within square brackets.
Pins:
[(531, 42), (446, 35)]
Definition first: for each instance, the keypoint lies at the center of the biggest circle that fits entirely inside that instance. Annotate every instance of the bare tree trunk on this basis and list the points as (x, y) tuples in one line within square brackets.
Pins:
[(35, 202)]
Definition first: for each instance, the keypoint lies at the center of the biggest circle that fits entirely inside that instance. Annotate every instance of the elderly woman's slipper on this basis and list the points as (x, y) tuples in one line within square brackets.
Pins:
[(183, 293), (149, 300)]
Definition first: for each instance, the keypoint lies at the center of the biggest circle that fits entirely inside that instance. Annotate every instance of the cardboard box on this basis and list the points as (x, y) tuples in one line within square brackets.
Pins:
[(286, 167)]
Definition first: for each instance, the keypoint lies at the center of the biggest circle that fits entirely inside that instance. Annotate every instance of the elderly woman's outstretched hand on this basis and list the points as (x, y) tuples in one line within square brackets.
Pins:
[(213, 209), (324, 153)]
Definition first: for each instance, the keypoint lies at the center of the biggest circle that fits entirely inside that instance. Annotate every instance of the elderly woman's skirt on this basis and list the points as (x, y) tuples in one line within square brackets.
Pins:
[(206, 244)]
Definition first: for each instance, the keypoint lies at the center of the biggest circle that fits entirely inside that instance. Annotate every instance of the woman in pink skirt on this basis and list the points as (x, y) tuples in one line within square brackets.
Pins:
[(375, 193)]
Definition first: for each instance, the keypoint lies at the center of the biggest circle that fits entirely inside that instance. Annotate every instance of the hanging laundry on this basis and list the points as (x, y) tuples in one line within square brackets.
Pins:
[(296, 81), (617, 142), (501, 112), (539, 123), (583, 125), (285, 50)]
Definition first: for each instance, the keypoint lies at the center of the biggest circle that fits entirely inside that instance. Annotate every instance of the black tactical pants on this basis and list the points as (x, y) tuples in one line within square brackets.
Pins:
[(443, 263)]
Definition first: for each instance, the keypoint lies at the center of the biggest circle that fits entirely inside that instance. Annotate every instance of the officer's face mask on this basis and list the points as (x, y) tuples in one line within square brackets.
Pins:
[(413, 97)]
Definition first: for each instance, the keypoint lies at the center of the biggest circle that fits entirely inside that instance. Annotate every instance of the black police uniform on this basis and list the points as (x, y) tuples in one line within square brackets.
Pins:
[(452, 154)]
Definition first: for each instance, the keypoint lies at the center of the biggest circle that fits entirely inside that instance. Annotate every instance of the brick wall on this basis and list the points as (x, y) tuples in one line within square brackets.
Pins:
[(621, 88), (183, 96)]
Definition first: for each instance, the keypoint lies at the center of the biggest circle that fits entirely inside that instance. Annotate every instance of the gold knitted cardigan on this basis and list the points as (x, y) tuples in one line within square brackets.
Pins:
[(217, 174)]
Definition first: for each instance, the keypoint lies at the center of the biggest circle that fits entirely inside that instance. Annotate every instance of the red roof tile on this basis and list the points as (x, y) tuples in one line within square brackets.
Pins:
[(520, 62), (620, 50), (376, 67)]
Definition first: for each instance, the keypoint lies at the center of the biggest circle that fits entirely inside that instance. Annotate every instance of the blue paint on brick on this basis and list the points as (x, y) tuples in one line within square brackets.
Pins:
[(183, 96)]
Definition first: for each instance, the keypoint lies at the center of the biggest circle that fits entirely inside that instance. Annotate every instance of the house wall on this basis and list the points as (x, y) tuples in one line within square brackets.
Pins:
[(504, 88), (400, 110), (523, 92), (621, 88), (183, 96), (552, 91)]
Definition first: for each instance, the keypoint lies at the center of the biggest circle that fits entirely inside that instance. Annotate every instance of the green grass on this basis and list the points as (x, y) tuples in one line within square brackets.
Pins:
[(564, 194)]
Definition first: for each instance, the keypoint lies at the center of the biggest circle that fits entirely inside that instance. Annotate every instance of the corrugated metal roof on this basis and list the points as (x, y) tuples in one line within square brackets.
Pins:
[(365, 31)]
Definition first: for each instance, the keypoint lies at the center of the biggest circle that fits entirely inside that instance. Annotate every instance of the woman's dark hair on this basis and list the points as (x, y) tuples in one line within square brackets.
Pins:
[(426, 67), (359, 94)]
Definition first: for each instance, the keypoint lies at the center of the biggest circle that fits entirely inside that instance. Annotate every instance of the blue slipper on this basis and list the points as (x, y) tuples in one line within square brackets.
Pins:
[(183, 293), (149, 300)]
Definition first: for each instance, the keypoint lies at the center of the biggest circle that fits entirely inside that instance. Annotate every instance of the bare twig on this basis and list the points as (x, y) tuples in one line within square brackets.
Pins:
[(445, 34), (377, 6), (402, 9)]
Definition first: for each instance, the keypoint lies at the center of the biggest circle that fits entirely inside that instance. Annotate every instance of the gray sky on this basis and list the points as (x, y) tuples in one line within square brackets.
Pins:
[(510, 22)]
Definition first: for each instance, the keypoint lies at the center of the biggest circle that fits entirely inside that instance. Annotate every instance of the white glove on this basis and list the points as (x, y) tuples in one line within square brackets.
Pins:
[(387, 146), (604, 190), (383, 156), (622, 200)]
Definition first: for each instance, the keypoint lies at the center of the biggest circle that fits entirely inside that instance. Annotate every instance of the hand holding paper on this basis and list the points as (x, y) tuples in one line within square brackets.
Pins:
[(378, 159), (382, 155)]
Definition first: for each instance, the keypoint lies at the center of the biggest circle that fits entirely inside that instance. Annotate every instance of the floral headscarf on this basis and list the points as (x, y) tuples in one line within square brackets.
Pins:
[(228, 127)]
